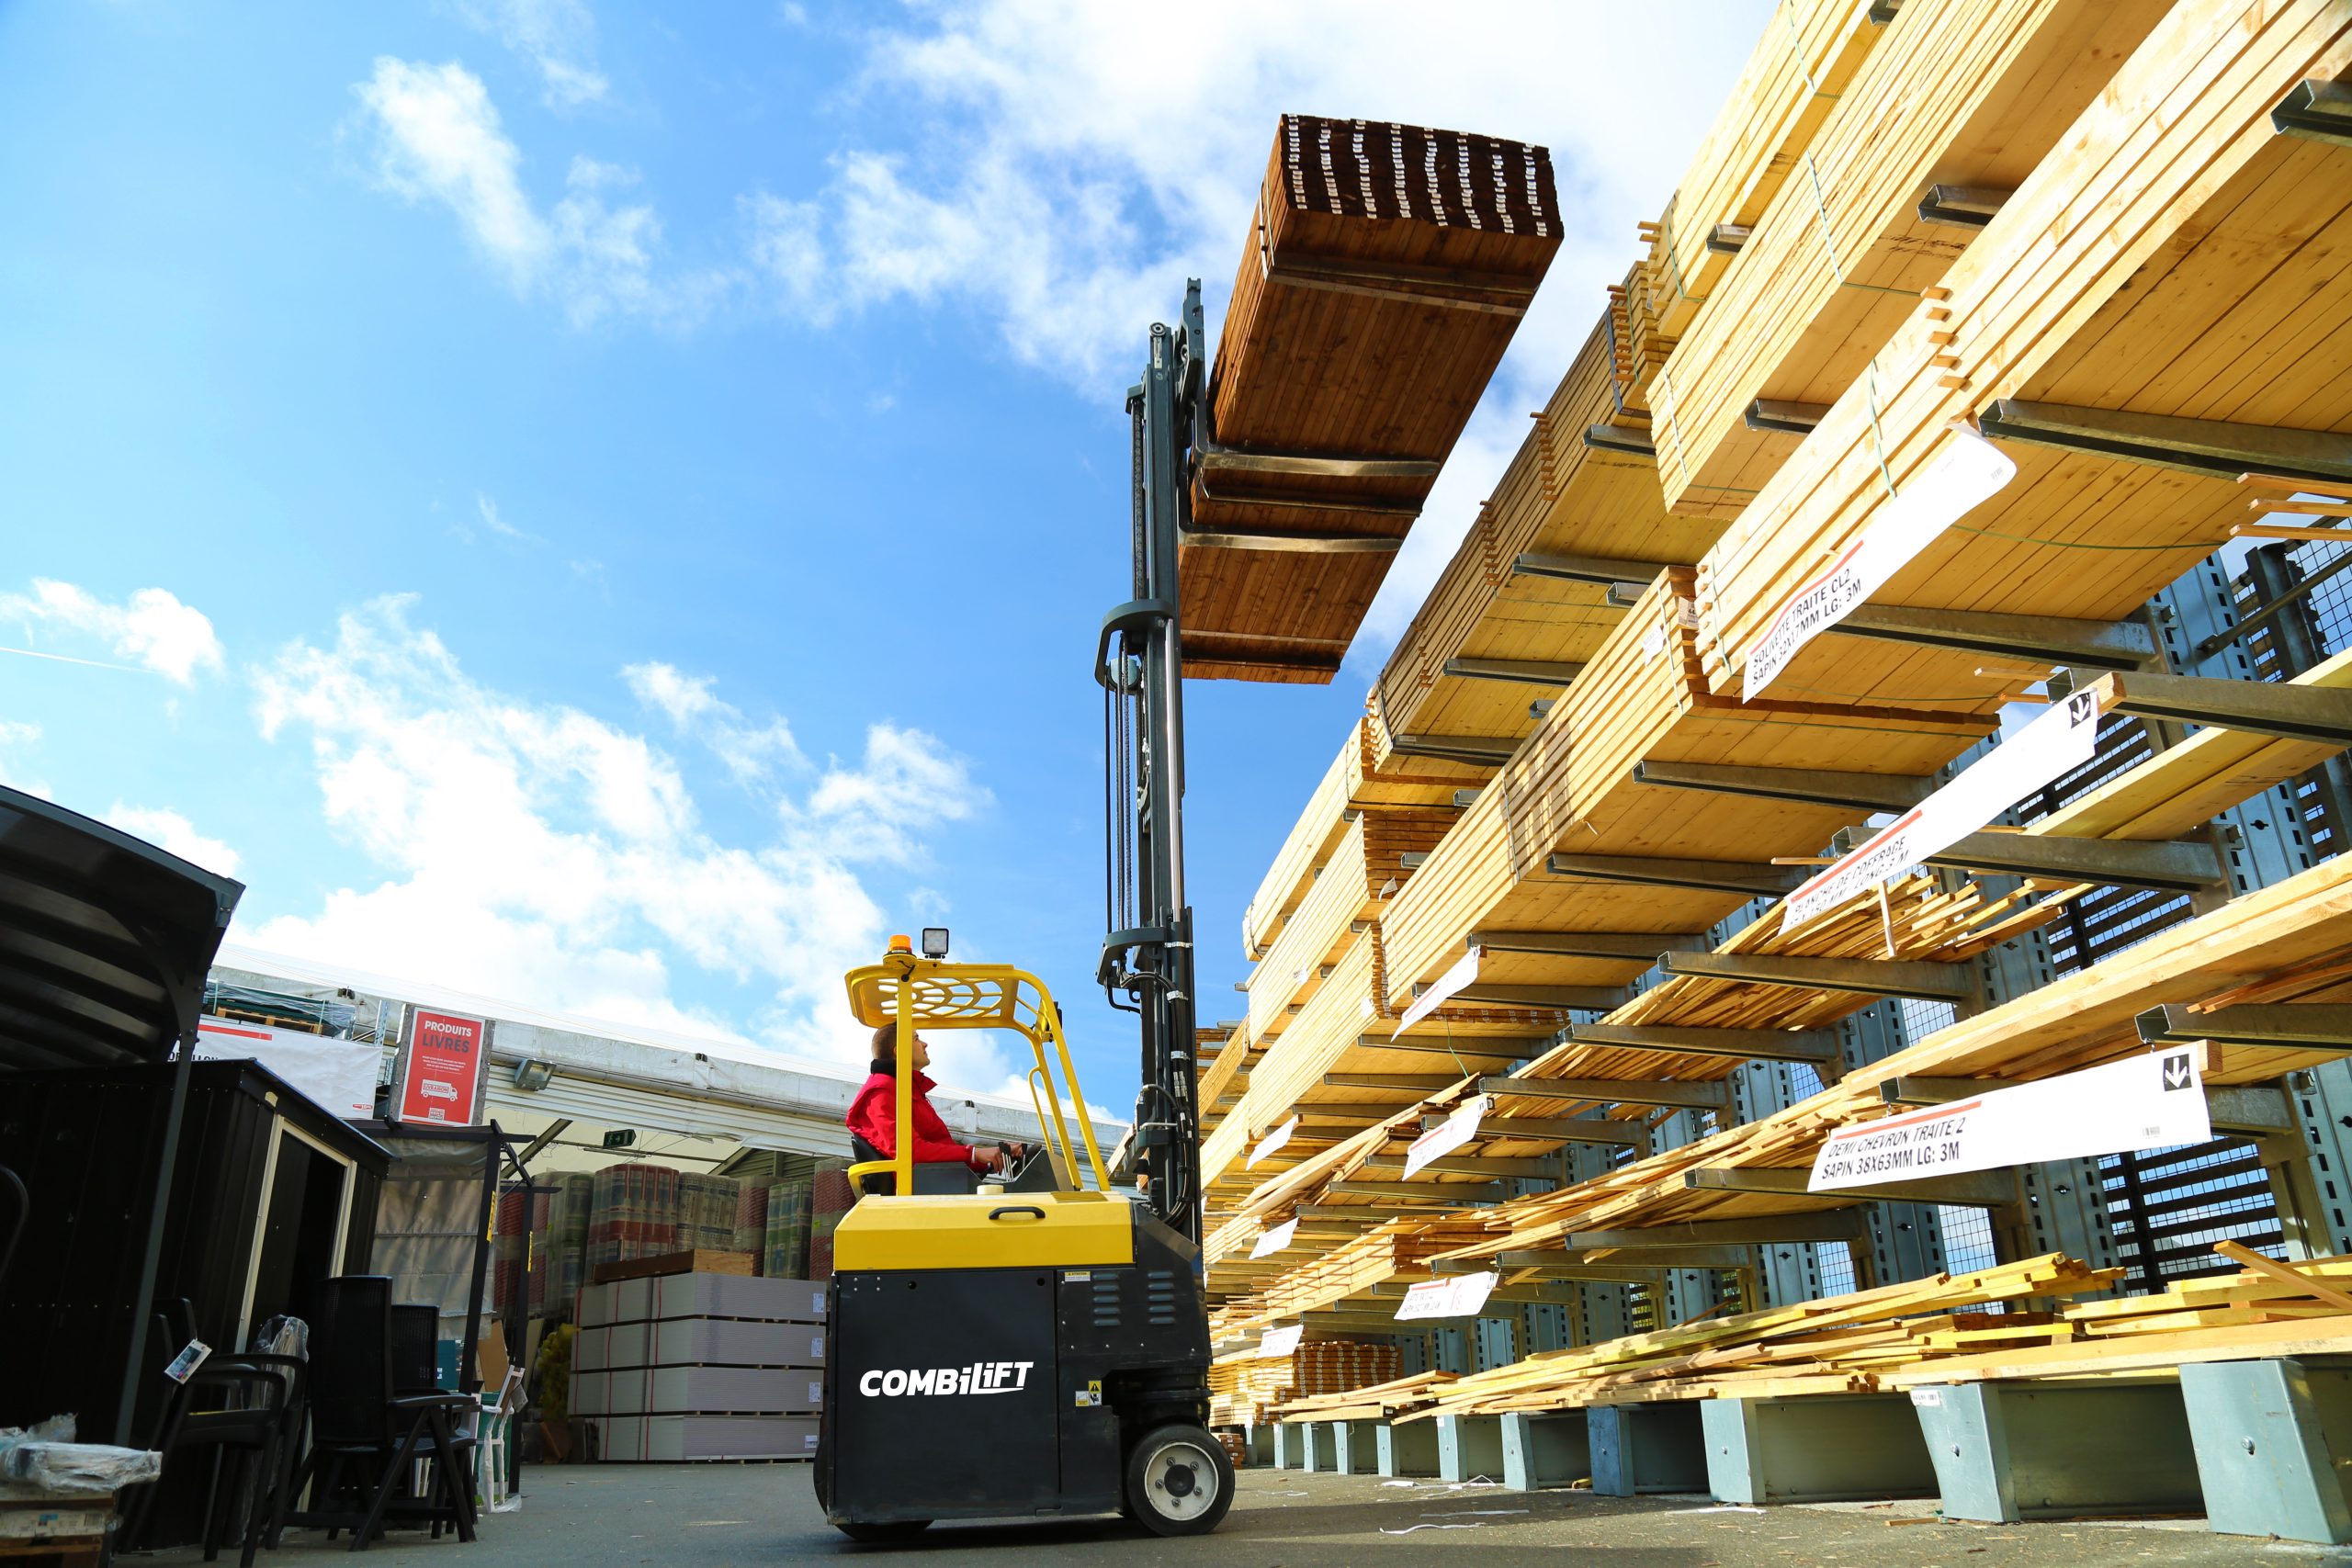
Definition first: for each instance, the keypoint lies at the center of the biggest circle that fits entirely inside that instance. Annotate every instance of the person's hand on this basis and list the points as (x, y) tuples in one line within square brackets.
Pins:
[(1012, 1155)]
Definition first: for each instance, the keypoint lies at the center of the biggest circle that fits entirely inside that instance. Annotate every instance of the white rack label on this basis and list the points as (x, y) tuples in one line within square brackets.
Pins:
[(1446, 1136), (1460, 1295), (1271, 1143), (2146, 1102), (1281, 1341), (1275, 1240)]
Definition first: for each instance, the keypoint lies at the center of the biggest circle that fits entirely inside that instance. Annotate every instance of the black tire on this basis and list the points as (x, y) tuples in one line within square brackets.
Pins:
[(1178, 1481), (893, 1534)]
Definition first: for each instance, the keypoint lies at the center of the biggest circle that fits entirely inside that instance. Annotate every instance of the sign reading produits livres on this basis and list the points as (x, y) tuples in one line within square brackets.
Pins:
[(1964, 475), (1281, 1341), (1452, 980), (1272, 1142), (2061, 739), (2146, 1102), (1458, 1295), (1447, 1135), (339, 1075), (441, 1069), (1275, 1240)]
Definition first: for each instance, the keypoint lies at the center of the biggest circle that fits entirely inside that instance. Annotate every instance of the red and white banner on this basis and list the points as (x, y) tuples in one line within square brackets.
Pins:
[(2059, 740), (1458, 1295), (340, 1075), (441, 1069), (1447, 1135), (2153, 1102), (1963, 476)]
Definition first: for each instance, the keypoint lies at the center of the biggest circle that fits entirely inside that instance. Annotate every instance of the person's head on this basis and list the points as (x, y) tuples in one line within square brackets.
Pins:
[(886, 1047)]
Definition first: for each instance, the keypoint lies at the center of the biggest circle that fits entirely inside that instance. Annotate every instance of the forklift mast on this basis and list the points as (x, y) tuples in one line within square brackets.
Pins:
[(1148, 951)]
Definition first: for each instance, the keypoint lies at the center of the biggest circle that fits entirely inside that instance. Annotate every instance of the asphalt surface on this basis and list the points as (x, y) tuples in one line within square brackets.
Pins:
[(720, 1516)]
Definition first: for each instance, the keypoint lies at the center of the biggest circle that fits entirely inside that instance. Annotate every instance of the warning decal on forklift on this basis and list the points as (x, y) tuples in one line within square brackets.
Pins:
[(1091, 1394)]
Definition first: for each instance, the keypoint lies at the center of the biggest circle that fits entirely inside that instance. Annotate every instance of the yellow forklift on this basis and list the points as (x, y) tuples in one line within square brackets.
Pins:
[(1038, 1345)]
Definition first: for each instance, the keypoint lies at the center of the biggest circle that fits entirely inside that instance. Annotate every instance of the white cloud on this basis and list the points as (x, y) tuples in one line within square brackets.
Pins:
[(151, 629), (174, 834), (557, 36), (495, 521), (15, 735), (748, 750), (432, 134), (438, 138), (538, 853)]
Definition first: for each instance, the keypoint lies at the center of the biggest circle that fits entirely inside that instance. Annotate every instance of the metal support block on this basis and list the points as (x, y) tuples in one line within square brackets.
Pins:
[(1469, 1448), (1979, 1190), (1833, 1224), (1597, 999), (1962, 207), (1481, 751), (2267, 1434), (1296, 541), (2172, 865), (1652, 1255), (2320, 110), (1785, 418), (1411, 1450), (1287, 1453), (2085, 645), (2007, 1452), (1569, 1130), (1867, 976), (1354, 1451), (2256, 708), (1615, 438), (1499, 1166), (2194, 446), (1644, 946), (1478, 1048), (1817, 1046), (1449, 1195), (1315, 1446), (1807, 786), (1818, 1448), (1257, 1445), (1605, 571), (1611, 1092), (1743, 877), (1545, 1449), (1640, 1449), (1525, 671), (2306, 1025)]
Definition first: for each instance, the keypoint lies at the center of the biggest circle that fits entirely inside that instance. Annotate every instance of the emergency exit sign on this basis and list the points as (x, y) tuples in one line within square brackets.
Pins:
[(621, 1139)]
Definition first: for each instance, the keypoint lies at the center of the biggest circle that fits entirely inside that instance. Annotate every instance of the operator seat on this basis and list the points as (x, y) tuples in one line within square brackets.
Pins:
[(931, 1176)]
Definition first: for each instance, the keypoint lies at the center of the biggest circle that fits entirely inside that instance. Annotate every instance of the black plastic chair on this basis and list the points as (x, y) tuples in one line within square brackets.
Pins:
[(238, 1407), (374, 1414)]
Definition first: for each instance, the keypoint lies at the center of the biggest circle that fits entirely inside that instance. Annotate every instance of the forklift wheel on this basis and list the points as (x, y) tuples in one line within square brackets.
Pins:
[(1178, 1481), (885, 1535)]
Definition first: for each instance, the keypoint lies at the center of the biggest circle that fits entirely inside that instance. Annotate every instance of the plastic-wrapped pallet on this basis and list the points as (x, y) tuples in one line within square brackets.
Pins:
[(568, 1211), (706, 1212), (701, 1366), (634, 1214), (786, 1252), (751, 1220)]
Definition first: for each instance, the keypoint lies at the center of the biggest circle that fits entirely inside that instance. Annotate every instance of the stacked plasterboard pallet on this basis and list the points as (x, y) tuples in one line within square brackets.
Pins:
[(701, 1367)]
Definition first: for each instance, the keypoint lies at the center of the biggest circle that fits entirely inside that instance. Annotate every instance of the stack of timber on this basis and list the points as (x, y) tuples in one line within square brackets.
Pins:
[(1245, 1386), (1348, 1017), (1801, 67), (1386, 269), (1962, 100), (1378, 1403), (2177, 257), (1836, 1345), (1361, 778), (1525, 602)]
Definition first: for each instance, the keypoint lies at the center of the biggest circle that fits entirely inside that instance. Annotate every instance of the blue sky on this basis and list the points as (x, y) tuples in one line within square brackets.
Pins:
[(608, 508)]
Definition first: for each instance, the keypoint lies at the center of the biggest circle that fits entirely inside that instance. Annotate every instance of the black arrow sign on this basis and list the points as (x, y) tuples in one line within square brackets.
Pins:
[(2177, 1071)]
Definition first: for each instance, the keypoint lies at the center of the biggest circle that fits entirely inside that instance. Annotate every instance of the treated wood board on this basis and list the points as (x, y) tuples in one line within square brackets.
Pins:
[(1385, 273)]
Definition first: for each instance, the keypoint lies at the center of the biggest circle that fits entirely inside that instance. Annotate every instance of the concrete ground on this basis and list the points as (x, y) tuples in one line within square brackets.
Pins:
[(679, 1516)]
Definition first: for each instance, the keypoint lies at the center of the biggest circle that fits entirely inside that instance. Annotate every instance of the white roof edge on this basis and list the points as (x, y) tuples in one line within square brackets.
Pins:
[(648, 1054)]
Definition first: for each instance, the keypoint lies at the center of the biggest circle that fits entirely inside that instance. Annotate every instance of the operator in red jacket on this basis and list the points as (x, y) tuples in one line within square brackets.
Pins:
[(874, 1114)]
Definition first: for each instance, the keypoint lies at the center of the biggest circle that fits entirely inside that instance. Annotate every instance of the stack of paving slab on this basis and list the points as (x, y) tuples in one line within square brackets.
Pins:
[(701, 1367)]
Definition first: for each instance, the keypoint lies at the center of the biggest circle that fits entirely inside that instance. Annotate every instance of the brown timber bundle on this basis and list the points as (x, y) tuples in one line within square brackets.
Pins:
[(1840, 1342), (1386, 269), (1245, 1387)]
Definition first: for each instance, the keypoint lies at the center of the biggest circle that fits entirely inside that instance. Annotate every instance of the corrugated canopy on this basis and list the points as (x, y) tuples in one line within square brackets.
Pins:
[(104, 939)]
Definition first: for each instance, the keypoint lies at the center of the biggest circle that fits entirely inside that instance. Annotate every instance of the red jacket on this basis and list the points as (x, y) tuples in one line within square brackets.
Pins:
[(873, 1116)]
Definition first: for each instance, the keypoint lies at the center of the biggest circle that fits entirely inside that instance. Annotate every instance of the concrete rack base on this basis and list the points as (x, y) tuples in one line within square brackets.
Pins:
[(1815, 1448), (2006, 1451), (2265, 1433)]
